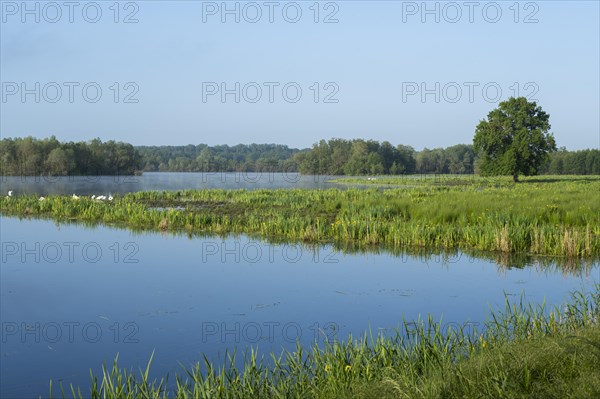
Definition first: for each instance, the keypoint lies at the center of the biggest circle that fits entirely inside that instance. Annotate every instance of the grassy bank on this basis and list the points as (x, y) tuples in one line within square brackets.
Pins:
[(545, 216), (523, 351), (466, 180)]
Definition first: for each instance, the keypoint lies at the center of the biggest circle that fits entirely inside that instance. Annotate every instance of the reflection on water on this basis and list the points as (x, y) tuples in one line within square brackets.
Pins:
[(89, 185), (73, 297)]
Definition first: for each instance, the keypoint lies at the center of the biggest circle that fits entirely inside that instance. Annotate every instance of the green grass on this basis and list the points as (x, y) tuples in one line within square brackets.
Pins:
[(523, 351), (550, 367), (459, 180), (552, 217)]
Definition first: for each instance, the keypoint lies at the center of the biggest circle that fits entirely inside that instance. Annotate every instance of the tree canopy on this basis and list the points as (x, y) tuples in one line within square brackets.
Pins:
[(29, 156), (220, 158), (514, 139)]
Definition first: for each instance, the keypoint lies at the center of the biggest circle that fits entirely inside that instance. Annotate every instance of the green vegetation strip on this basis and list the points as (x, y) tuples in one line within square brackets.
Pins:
[(523, 351), (555, 216), (560, 218)]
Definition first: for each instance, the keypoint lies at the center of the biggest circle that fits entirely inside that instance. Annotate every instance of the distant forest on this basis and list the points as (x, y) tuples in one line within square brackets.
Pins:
[(220, 158), (360, 157), (33, 157), (30, 156)]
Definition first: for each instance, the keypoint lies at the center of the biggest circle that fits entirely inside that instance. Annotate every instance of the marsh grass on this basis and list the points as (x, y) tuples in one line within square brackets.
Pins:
[(557, 217), (464, 180), (522, 351)]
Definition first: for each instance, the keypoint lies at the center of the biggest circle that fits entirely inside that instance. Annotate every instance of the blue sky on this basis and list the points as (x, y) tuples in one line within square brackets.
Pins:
[(370, 69)]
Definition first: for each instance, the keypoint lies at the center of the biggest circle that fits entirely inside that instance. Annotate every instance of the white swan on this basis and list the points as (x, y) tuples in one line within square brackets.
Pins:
[(75, 197)]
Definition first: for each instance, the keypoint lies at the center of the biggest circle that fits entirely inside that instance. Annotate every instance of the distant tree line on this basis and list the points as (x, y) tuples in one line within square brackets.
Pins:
[(220, 158), (582, 162), (356, 157), (368, 157), (30, 156)]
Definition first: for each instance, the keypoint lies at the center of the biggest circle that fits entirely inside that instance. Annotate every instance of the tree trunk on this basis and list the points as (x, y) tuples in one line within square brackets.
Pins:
[(516, 178)]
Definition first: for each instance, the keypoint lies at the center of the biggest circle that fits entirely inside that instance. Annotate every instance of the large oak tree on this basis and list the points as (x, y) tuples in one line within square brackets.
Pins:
[(514, 139)]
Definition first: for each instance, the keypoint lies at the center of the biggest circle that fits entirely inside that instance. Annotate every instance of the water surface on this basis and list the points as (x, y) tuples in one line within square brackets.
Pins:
[(169, 181), (73, 297)]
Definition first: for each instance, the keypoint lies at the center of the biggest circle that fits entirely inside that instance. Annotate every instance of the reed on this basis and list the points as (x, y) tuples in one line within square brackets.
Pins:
[(553, 217), (523, 350)]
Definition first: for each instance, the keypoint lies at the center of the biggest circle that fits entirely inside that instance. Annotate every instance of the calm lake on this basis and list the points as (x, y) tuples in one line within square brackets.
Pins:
[(88, 185), (73, 297)]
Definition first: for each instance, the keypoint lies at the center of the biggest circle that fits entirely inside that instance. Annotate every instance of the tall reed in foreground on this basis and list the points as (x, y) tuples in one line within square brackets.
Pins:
[(523, 350)]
